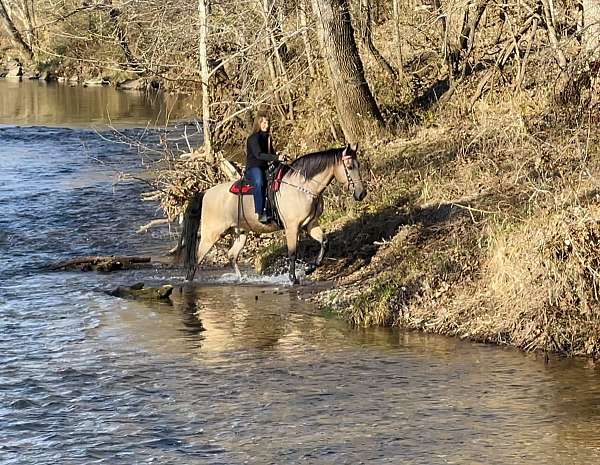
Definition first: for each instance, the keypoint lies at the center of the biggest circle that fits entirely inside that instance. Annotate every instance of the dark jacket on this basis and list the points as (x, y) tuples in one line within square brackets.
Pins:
[(258, 152)]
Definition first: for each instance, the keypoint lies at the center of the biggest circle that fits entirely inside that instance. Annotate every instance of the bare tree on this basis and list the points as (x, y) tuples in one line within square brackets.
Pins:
[(354, 101), (205, 73), (366, 37), (13, 32), (302, 10), (591, 29)]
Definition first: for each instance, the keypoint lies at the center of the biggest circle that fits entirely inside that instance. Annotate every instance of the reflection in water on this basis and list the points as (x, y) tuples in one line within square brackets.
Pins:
[(40, 103), (281, 384)]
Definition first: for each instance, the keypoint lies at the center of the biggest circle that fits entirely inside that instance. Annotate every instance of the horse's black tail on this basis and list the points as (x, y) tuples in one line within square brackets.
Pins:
[(186, 248)]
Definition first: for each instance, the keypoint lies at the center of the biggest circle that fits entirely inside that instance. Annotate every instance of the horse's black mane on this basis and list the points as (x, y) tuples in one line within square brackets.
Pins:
[(314, 163)]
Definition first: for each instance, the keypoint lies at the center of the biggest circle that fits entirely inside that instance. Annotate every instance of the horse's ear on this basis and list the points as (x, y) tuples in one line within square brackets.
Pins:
[(353, 147)]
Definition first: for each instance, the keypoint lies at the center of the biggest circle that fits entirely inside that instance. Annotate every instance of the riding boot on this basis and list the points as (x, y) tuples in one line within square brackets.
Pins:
[(263, 218)]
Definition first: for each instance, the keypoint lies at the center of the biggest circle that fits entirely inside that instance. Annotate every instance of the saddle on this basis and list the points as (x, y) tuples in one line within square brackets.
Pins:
[(275, 175), (244, 186)]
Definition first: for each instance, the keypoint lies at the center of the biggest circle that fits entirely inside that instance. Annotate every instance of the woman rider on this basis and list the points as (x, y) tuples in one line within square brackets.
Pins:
[(259, 152)]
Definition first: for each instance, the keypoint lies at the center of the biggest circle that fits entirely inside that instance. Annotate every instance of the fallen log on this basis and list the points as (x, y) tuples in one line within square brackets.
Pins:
[(99, 263)]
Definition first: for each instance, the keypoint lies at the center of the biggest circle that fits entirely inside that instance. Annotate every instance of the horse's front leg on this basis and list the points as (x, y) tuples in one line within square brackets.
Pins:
[(315, 231), (291, 235)]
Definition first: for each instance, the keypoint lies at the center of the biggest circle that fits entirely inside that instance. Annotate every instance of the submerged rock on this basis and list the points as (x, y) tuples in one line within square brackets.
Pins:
[(139, 292)]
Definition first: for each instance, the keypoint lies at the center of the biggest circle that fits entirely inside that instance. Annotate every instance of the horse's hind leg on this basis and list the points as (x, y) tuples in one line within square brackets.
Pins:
[(234, 252), (206, 243)]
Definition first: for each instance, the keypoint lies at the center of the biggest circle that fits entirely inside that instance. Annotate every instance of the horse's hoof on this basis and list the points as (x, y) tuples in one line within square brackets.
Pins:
[(294, 281)]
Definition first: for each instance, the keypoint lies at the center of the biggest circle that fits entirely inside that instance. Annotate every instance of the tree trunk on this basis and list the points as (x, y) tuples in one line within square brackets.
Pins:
[(268, 15), (307, 46), (396, 16), (552, 35), (356, 107), (591, 29), (366, 26), (205, 74), (13, 32)]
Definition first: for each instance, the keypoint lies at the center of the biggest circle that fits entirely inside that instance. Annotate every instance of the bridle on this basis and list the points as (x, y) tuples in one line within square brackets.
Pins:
[(349, 180), (351, 185)]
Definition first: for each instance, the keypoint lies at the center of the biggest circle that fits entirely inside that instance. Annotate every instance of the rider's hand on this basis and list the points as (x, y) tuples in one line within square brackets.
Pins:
[(283, 157)]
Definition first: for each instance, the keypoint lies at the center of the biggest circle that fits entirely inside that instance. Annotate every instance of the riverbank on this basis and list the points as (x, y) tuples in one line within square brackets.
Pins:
[(13, 69), (482, 222), (486, 229), (484, 226)]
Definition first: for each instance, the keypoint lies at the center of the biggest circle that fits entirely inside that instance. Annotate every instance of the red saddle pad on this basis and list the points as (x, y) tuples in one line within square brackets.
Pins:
[(241, 186), (276, 184)]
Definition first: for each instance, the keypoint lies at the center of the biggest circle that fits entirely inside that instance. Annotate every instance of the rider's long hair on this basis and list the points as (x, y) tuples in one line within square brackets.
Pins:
[(257, 121)]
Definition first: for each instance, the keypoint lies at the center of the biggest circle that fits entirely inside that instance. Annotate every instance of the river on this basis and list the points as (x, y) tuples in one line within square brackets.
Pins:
[(230, 373)]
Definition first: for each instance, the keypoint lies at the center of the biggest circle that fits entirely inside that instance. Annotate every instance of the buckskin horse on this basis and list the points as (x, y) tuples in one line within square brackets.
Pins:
[(299, 204)]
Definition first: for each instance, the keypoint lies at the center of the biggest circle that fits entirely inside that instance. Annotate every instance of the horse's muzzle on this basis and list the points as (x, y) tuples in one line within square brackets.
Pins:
[(360, 196)]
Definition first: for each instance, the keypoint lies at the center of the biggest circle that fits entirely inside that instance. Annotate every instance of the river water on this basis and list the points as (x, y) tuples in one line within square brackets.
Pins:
[(230, 373)]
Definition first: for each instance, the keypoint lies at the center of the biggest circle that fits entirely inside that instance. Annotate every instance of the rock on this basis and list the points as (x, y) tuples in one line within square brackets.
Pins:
[(48, 76), (109, 265), (139, 292), (132, 84), (139, 84), (99, 81), (14, 69)]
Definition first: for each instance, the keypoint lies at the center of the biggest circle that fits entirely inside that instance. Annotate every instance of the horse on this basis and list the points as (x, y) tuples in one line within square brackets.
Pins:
[(299, 203)]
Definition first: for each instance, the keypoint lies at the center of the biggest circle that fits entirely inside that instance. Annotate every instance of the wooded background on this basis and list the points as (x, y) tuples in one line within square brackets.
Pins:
[(349, 68)]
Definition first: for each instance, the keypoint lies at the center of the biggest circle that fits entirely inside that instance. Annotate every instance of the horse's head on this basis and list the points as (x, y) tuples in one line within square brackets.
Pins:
[(347, 172)]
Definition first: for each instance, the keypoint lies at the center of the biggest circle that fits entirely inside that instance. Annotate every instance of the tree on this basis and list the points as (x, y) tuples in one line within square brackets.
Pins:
[(13, 32), (591, 29), (205, 73), (354, 101), (366, 37)]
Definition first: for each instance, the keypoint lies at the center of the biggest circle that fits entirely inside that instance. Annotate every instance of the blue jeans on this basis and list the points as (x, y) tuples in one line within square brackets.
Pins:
[(258, 178)]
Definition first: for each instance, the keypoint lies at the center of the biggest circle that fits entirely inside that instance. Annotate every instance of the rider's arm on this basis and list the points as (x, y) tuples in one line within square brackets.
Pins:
[(254, 149)]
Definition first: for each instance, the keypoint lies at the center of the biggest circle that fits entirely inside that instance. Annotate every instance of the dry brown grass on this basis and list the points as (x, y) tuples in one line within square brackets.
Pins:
[(497, 226)]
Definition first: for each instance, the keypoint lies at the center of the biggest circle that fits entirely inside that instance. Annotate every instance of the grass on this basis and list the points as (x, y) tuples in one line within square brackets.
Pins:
[(484, 228)]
